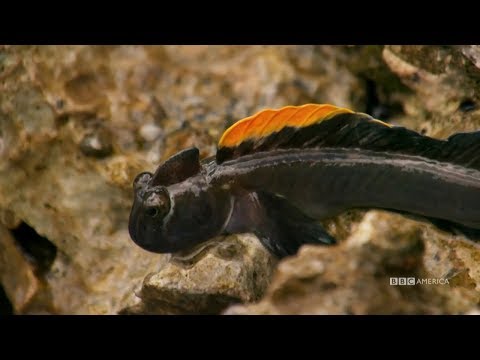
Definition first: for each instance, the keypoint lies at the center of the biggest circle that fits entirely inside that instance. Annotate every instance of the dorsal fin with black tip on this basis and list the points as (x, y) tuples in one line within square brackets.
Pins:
[(321, 126), (179, 167), (288, 127)]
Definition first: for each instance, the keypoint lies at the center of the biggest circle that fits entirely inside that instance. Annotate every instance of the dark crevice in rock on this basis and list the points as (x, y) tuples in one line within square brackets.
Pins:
[(374, 106), (467, 105), (6, 307), (38, 249)]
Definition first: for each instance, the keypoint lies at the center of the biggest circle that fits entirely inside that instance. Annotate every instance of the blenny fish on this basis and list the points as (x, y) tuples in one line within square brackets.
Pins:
[(279, 172)]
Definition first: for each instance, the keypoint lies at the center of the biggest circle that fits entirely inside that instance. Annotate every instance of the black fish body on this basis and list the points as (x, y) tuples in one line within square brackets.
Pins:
[(326, 182), (279, 172)]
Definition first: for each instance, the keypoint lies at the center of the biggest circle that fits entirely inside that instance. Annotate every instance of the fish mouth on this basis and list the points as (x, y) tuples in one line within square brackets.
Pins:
[(133, 226), (137, 230), (148, 239), (190, 256)]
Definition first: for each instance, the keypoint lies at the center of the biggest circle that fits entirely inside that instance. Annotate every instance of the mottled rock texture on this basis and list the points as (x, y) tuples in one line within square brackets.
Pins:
[(77, 123), (354, 277), (235, 269)]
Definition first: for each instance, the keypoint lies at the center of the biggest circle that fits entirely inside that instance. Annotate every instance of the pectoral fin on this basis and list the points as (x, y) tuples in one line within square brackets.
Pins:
[(281, 227)]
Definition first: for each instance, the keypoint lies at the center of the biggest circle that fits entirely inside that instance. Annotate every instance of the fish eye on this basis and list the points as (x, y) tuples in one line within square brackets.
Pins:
[(152, 212), (157, 202), (142, 179)]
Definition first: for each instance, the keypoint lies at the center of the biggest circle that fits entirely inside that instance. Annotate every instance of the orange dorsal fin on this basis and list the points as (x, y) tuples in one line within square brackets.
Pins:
[(267, 122), (306, 126), (314, 126)]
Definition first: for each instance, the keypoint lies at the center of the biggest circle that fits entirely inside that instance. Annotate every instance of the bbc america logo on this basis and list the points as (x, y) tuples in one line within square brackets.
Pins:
[(415, 281), (402, 281)]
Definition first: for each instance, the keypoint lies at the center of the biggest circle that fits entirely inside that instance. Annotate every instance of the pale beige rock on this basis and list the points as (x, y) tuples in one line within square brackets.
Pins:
[(233, 269), (440, 79), (354, 277), (472, 52), (16, 273)]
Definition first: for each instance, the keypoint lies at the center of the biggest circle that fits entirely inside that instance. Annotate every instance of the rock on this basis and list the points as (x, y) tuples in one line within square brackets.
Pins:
[(234, 269), (472, 52), (97, 144), (442, 80), (354, 277), (16, 273), (9, 220)]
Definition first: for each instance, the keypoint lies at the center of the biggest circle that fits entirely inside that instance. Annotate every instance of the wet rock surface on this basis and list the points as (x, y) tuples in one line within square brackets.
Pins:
[(77, 123)]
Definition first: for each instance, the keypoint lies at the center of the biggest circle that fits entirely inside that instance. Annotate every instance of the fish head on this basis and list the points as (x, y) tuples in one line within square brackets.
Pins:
[(176, 208)]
